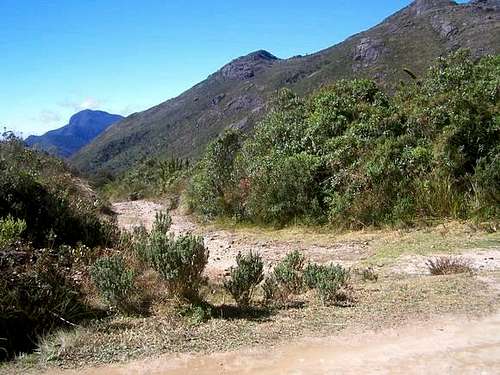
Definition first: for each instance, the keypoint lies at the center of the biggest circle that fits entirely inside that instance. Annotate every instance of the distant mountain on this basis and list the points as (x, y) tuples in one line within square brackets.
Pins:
[(236, 95), (82, 128)]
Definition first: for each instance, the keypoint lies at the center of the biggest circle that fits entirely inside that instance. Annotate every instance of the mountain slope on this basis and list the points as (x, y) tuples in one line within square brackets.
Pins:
[(236, 95), (82, 128)]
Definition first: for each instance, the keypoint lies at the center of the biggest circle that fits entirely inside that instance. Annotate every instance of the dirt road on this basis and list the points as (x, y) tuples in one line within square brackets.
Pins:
[(445, 346)]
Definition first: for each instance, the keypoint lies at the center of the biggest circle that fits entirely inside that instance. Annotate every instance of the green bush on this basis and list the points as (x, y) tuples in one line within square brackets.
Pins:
[(162, 222), (353, 156), (245, 277), (114, 282), (10, 230), (180, 262), (40, 190), (328, 280), (213, 188), (36, 296), (286, 278)]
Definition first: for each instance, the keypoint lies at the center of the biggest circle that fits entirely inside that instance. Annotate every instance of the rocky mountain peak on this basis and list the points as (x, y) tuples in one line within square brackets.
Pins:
[(420, 7), (245, 67)]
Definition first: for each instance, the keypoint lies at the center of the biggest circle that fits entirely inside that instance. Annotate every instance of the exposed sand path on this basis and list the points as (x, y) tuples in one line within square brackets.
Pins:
[(446, 346)]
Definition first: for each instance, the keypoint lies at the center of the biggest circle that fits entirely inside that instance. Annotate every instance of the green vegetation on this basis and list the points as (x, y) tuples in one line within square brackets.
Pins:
[(179, 261), (11, 230), (351, 156), (56, 207), (150, 178), (51, 227), (114, 282), (244, 278), (37, 294), (329, 280), (286, 278)]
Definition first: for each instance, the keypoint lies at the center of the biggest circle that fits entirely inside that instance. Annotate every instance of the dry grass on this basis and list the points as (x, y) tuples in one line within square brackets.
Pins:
[(389, 302), (448, 266)]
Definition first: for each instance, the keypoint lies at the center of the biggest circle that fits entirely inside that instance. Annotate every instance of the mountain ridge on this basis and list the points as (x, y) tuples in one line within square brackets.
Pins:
[(81, 129), (236, 95)]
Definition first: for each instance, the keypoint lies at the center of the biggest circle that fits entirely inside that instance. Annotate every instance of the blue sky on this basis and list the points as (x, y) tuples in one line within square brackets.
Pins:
[(122, 56)]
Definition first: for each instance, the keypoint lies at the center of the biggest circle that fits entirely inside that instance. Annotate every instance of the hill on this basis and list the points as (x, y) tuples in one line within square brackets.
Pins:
[(236, 95), (82, 128)]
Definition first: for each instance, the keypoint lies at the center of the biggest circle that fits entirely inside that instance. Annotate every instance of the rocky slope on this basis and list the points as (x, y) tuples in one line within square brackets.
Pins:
[(82, 128), (236, 95)]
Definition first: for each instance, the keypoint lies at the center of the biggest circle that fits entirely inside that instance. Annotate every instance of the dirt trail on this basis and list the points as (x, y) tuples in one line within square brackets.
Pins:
[(446, 346), (224, 245)]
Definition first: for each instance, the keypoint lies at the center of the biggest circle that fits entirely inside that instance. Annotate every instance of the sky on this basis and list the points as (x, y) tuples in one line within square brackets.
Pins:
[(58, 57)]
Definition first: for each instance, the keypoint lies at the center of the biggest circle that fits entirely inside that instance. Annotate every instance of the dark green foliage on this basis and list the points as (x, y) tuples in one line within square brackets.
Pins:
[(40, 190), (114, 281), (244, 278), (214, 187), (36, 295), (352, 156), (162, 222)]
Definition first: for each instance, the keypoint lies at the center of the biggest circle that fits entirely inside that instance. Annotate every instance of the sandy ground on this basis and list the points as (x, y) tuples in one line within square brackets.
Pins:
[(446, 346)]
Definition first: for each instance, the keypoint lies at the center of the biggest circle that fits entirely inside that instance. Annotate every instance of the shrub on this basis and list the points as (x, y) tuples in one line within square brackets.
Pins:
[(369, 274), (40, 190), (180, 262), (312, 274), (10, 230), (356, 157), (36, 296), (213, 184), (448, 266), (286, 278), (162, 222), (114, 282), (245, 277), (329, 280)]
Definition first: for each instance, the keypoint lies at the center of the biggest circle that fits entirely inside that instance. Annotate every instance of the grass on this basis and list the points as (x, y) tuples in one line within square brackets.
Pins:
[(448, 266), (389, 302)]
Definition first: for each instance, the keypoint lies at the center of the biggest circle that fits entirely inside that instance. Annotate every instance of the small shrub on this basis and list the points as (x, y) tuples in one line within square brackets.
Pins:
[(448, 266), (286, 278), (36, 296), (180, 262), (114, 282), (197, 313), (312, 274), (162, 222), (245, 277), (10, 230), (329, 280), (369, 274)]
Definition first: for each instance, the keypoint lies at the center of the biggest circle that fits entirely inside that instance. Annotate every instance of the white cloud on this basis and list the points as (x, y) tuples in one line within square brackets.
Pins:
[(48, 117), (79, 105)]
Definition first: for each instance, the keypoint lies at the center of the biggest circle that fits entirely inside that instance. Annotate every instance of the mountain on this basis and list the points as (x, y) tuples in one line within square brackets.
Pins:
[(236, 95), (82, 128)]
